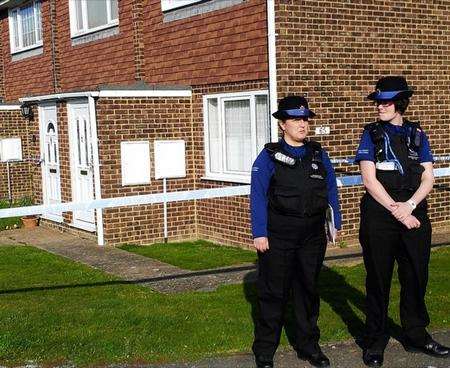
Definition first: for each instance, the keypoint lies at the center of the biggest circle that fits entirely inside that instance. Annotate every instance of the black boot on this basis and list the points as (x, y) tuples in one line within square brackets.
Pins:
[(264, 361), (432, 348), (373, 358), (316, 359)]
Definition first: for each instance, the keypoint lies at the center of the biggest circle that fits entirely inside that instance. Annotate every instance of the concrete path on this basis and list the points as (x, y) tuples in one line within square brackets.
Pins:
[(156, 275), (342, 355)]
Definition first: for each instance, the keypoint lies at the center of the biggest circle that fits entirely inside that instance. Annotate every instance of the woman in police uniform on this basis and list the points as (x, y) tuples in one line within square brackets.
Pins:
[(292, 185), (397, 171)]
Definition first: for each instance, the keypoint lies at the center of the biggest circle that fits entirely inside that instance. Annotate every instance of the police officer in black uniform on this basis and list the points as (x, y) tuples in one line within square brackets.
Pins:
[(292, 185), (397, 170)]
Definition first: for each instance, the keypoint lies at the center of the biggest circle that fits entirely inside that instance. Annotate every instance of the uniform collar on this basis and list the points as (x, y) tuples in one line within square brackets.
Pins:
[(294, 150), (396, 129)]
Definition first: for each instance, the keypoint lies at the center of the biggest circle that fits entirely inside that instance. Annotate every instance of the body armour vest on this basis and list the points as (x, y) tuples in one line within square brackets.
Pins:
[(405, 148), (298, 186)]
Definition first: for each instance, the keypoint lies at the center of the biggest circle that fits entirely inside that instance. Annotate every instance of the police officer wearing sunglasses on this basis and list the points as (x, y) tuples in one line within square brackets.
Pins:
[(292, 185), (397, 171)]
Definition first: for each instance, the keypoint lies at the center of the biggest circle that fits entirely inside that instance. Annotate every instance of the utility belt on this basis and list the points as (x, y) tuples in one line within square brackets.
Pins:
[(393, 180), (294, 228)]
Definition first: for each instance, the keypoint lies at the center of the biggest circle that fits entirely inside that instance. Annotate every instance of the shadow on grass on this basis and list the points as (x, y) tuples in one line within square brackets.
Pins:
[(148, 281), (338, 293)]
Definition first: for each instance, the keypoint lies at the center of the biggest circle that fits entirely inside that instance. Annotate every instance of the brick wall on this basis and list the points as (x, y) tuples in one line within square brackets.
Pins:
[(31, 75), (336, 50), (144, 119), (12, 125), (138, 39), (105, 61), (2, 69), (217, 47)]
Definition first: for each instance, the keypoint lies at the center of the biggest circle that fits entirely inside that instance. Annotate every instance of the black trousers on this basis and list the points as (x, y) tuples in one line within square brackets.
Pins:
[(290, 266), (385, 240)]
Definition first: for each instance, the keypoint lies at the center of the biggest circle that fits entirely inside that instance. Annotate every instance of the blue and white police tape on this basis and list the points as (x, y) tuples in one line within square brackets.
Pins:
[(127, 201), (351, 161), (186, 195)]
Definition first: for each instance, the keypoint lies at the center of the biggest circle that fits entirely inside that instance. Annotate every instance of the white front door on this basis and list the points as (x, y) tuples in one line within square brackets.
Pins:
[(81, 162), (51, 183)]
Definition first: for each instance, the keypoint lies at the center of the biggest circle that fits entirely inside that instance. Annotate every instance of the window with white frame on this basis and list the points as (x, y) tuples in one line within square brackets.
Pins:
[(25, 26), (237, 126), (88, 16)]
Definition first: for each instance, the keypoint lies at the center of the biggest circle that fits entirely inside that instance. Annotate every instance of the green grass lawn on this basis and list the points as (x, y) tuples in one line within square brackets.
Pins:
[(54, 311), (198, 255)]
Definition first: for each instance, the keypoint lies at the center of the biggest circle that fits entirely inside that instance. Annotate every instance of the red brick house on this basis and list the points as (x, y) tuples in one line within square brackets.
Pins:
[(108, 78)]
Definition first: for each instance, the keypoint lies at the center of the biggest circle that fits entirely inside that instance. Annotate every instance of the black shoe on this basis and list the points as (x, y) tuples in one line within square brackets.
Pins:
[(317, 359), (432, 348), (264, 361), (373, 358)]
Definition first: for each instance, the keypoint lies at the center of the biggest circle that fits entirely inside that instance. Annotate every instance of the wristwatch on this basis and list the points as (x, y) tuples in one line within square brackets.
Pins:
[(412, 203)]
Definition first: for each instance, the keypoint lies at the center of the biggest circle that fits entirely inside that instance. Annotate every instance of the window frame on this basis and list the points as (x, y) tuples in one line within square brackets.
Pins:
[(19, 35), (224, 175), (167, 5), (73, 19)]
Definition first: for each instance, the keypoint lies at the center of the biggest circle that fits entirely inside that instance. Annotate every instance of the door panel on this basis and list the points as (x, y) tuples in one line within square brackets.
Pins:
[(51, 181), (82, 163)]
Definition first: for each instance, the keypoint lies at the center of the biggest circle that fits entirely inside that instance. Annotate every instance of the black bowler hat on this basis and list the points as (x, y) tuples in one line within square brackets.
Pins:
[(293, 107), (391, 88)]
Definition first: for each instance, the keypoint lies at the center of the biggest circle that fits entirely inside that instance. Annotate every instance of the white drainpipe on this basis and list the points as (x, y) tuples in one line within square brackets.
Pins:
[(95, 158), (271, 41)]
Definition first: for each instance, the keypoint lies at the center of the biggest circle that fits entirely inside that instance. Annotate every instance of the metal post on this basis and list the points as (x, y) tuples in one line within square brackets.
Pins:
[(9, 184), (165, 208)]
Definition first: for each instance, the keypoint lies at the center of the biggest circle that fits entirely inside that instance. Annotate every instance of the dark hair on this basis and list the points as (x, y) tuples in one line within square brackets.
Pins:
[(401, 105)]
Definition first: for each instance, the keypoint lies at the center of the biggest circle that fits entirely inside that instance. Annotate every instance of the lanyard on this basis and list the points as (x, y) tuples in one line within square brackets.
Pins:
[(387, 150)]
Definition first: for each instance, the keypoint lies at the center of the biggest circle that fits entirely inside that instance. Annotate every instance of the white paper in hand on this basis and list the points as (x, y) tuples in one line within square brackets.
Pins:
[(331, 229)]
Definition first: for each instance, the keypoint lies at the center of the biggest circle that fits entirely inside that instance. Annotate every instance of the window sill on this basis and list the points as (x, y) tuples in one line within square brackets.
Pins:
[(196, 8), (228, 178), (94, 35), (29, 52)]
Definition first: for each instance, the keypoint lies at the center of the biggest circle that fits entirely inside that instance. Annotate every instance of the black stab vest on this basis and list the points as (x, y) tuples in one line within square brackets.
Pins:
[(298, 189), (406, 148)]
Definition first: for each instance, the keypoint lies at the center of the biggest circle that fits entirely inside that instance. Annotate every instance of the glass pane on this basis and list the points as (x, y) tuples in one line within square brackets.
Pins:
[(28, 26), (55, 143), (262, 122), (97, 13), (79, 14), (15, 28), (238, 135), (215, 145), (114, 10), (79, 141), (50, 128), (86, 148), (38, 20)]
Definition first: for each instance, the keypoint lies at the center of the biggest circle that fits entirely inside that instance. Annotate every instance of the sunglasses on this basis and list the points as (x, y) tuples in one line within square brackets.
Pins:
[(384, 103)]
